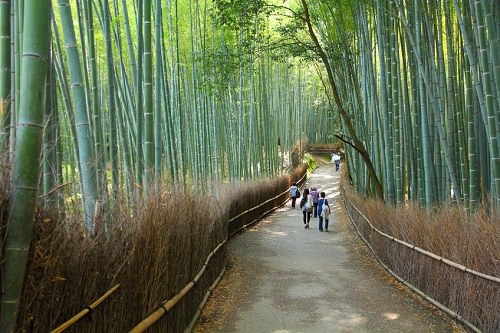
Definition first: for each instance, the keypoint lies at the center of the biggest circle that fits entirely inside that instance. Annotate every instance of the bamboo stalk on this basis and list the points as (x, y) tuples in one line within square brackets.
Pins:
[(85, 311), (26, 158)]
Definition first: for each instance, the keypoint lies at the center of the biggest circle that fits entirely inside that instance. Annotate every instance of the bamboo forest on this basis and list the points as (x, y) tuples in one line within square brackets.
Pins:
[(108, 104)]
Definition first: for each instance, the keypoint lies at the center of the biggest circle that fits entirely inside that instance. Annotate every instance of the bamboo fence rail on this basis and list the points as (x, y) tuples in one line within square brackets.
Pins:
[(204, 301), (169, 304), (85, 311)]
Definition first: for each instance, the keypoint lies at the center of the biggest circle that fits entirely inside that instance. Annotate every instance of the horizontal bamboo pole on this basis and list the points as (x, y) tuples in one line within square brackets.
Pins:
[(204, 301), (162, 310), (169, 304), (85, 311)]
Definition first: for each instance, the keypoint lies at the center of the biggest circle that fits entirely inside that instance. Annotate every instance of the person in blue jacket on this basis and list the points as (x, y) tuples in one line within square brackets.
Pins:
[(323, 211), (294, 193)]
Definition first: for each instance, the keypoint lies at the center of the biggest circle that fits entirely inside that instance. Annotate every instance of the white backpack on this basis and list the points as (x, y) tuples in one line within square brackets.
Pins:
[(326, 210)]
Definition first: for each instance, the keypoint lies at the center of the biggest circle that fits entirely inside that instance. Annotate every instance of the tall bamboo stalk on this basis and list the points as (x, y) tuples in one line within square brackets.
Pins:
[(5, 73), (149, 149), (26, 170), (87, 159)]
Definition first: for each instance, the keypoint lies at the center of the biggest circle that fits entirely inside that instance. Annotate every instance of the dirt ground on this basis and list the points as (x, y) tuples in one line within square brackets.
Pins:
[(284, 278)]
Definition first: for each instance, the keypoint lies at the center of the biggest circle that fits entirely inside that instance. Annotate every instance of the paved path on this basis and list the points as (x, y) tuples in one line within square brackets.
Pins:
[(283, 278)]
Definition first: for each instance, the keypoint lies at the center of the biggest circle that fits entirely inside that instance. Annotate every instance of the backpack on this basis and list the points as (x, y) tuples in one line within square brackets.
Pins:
[(326, 209), (303, 203), (309, 204), (297, 193)]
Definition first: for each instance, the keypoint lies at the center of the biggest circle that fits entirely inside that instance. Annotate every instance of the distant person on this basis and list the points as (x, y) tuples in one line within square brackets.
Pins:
[(315, 197), (336, 160), (306, 206), (324, 211), (294, 193)]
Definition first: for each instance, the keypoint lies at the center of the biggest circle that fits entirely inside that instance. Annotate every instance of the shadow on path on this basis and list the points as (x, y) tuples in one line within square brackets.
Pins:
[(283, 278)]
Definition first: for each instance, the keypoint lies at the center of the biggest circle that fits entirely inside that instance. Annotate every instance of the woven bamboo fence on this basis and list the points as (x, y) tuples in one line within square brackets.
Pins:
[(197, 288)]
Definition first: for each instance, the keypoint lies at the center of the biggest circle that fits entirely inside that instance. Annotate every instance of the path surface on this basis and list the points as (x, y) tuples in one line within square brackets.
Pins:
[(283, 278)]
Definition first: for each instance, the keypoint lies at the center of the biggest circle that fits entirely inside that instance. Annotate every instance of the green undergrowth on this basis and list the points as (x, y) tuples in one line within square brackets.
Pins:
[(311, 162)]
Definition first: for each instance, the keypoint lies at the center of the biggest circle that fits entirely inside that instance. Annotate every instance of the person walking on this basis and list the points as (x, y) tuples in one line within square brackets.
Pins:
[(336, 160), (306, 205), (294, 193), (315, 197), (323, 211)]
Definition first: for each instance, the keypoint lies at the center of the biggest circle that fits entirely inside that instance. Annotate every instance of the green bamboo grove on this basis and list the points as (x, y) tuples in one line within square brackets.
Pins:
[(420, 82), (148, 92)]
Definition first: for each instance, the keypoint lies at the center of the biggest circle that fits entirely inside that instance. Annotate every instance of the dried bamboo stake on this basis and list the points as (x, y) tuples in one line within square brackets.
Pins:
[(204, 301), (85, 311)]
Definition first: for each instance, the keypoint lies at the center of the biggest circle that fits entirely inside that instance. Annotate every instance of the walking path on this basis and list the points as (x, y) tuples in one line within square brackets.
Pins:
[(283, 278)]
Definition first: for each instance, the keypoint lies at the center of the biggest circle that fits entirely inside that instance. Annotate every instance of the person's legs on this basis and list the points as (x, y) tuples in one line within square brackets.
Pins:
[(308, 218), (337, 164), (315, 209), (320, 223), (293, 202), (304, 216), (326, 224)]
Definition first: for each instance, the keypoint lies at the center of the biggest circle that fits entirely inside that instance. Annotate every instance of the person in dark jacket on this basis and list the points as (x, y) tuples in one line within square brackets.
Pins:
[(323, 211), (306, 205)]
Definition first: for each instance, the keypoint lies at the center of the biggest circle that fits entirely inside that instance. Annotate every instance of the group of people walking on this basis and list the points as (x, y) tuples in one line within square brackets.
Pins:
[(313, 203)]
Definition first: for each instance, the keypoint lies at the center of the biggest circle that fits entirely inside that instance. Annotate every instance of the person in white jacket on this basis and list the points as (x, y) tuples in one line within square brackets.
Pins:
[(336, 160)]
